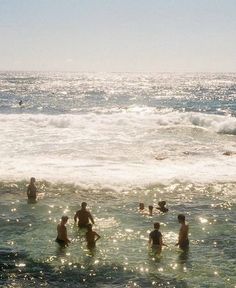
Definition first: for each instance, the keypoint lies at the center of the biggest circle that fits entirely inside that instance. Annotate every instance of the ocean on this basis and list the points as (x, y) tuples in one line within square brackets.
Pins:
[(115, 140)]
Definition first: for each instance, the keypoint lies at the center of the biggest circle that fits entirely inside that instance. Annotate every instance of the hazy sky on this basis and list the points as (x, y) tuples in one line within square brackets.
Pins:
[(118, 35)]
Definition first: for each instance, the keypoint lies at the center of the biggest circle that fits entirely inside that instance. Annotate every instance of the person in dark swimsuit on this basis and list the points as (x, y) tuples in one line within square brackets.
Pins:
[(155, 239), (62, 238), (83, 216), (32, 191)]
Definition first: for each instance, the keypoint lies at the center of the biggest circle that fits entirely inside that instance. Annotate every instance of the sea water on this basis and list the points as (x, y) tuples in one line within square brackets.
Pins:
[(114, 140)]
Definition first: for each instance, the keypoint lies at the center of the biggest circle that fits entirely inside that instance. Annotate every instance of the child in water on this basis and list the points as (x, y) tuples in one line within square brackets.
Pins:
[(62, 238), (91, 237)]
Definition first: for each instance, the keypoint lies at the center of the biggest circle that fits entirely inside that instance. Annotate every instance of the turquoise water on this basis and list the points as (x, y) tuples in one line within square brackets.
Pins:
[(114, 140), (31, 258)]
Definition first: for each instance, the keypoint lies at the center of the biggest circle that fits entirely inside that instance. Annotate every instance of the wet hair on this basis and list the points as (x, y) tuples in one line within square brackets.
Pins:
[(89, 226), (83, 204), (150, 207), (181, 217), (162, 203), (156, 225), (64, 218), (32, 179), (141, 206)]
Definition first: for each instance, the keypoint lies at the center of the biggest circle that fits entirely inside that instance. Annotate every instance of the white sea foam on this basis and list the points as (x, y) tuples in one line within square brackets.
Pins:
[(131, 147)]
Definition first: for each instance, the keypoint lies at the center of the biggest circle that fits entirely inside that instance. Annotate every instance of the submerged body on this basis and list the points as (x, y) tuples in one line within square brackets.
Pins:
[(62, 238), (83, 216), (183, 241), (91, 237), (32, 191)]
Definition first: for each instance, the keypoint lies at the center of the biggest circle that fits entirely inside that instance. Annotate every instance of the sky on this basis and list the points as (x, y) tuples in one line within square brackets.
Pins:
[(118, 35)]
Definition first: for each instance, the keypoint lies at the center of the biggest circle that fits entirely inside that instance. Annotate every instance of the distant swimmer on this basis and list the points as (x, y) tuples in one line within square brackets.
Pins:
[(229, 153), (141, 206), (62, 238), (162, 207), (20, 102), (160, 157), (155, 239), (150, 210), (91, 237), (83, 216), (32, 191), (183, 241)]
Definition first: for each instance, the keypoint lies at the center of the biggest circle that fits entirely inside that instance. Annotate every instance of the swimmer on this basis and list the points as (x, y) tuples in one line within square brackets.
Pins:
[(141, 206), (91, 237), (155, 239), (62, 238), (150, 209), (83, 216), (229, 153), (32, 191), (162, 207), (183, 241), (20, 102)]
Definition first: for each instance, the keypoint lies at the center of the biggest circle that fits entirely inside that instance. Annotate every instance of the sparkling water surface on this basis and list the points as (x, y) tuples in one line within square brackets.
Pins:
[(114, 140)]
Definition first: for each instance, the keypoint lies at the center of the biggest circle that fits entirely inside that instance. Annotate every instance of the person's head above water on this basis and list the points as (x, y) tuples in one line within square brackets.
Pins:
[(181, 218), (83, 204), (150, 207), (89, 226), (32, 179), (156, 225), (162, 203), (64, 218), (141, 206)]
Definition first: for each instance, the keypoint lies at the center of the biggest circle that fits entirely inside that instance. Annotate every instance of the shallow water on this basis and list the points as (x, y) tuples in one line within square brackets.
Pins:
[(29, 255), (114, 140)]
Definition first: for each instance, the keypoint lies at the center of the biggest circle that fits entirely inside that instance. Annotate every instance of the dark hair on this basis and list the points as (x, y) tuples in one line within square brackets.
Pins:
[(89, 226), (181, 217), (150, 207), (156, 225), (64, 218), (83, 204)]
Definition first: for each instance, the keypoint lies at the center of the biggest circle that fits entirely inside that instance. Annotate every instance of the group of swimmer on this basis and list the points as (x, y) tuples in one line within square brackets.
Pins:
[(155, 237), (83, 216), (84, 219)]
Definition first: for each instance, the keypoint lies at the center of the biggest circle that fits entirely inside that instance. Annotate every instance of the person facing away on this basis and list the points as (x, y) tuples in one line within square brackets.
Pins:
[(141, 206), (183, 241), (32, 190), (155, 239), (62, 238), (150, 209), (83, 216), (91, 237), (162, 207)]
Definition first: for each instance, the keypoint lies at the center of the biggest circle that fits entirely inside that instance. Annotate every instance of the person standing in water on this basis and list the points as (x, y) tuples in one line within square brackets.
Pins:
[(155, 239), (32, 191), (83, 216), (91, 237), (183, 241), (62, 238)]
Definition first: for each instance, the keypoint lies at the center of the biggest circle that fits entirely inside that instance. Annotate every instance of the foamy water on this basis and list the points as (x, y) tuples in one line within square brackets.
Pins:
[(115, 140)]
